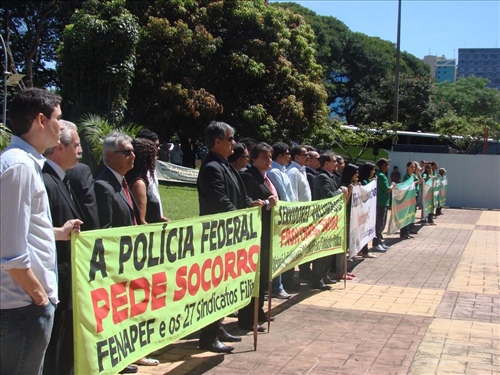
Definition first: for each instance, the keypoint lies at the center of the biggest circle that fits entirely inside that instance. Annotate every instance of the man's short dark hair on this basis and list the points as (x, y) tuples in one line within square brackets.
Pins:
[(310, 148), (326, 156), (248, 142), (296, 150), (279, 148), (216, 130), (260, 148), (147, 134), (238, 151), (27, 104)]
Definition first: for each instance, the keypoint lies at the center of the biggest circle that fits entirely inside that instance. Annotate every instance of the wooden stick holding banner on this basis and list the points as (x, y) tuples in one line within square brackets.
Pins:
[(255, 321)]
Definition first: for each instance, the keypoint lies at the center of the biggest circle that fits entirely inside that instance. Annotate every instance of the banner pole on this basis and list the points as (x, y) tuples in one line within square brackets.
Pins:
[(255, 321), (269, 298)]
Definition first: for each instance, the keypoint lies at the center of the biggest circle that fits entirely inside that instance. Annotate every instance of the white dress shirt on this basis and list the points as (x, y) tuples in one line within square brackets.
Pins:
[(298, 180)]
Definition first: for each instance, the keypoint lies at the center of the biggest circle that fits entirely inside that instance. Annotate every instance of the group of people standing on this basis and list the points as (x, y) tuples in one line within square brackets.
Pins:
[(46, 194)]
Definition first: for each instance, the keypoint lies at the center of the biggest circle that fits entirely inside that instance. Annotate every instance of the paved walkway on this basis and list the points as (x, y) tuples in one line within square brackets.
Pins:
[(430, 305)]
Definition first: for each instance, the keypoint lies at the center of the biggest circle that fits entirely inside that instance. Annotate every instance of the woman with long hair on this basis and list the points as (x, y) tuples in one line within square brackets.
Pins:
[(137, 179)]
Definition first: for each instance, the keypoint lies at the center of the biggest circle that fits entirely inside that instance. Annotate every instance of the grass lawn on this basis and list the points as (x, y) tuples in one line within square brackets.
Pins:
[(179, 202)]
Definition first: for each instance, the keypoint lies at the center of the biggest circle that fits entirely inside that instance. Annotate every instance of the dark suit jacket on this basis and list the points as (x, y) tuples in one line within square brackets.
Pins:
[(62, 209), (112, 204), (82, 183), (257, 189), (220, 188), (325, 185)]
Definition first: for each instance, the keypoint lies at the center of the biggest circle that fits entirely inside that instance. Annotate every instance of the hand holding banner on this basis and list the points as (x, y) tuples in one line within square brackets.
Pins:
[(137, 289)]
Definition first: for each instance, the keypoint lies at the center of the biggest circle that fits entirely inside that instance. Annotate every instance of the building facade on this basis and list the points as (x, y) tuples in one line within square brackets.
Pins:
[(442, 69), (480, 62)]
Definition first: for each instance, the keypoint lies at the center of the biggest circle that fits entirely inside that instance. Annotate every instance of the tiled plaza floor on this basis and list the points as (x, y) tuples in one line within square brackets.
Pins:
[(430, 305)]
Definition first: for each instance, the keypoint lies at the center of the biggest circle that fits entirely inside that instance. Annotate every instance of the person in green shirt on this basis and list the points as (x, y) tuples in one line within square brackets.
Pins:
[(383, 199)]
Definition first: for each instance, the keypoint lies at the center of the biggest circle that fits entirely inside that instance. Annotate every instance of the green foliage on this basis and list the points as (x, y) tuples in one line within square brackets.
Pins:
[(468, 97), (354, 142), (94, 129), (467, 109), (358, 74), (5, 136), (97, 59), (242, 62), (32, 30)]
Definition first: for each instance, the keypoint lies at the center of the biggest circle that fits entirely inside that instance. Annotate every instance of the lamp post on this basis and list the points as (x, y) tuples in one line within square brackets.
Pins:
[(396, 73)]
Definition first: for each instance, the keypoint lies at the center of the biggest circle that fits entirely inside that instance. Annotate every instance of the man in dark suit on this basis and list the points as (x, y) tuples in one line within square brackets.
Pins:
[(63, 207), (260, 187), (326, 186), (220, 189), (82, 184), (115, 204)]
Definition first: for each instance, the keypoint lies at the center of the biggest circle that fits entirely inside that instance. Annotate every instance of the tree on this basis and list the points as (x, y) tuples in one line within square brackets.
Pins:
[(32, 30), (468, 97), (468, 110), (358, 73), (237, 61), (354, 141), (97, 59)]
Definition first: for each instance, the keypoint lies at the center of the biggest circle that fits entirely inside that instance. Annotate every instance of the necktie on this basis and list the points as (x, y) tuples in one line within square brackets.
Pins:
[(129, 198), (270, 186), (68, 187)]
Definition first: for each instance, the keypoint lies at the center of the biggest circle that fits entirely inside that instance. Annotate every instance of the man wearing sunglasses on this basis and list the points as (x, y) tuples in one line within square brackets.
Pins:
[(114, 200)]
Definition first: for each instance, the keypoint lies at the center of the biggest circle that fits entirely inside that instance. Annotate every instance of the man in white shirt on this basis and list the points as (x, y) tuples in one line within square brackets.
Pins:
[(28, 276), (281, 181), (296, 172)]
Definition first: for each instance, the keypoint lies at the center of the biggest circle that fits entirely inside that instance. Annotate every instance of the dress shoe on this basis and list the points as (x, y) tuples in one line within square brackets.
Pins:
[(327, 280), (130, 369), (321, 285), (405, 237), (263, 318), (249, 327), (225, 336), (291, 288), (216, 346)]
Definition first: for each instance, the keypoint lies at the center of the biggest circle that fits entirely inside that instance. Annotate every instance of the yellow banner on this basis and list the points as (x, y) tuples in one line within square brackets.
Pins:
[(304, 231), (137, 289)]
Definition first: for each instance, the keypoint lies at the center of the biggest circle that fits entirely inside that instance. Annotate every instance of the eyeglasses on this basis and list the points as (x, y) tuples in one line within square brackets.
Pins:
[(245, 156), (124, 152), (230, 139), (304, 155)]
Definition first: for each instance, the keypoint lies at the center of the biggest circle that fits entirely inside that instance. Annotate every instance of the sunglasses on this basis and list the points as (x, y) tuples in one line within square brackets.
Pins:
[(124, 152)]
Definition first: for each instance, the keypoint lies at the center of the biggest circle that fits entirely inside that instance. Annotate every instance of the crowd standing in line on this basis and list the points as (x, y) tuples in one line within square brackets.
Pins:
[(45, 198)]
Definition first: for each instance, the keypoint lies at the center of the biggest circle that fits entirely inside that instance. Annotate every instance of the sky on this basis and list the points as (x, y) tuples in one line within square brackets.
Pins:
[(428, 27)]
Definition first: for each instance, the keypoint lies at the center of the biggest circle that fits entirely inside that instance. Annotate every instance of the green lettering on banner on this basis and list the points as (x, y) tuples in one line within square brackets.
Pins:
[(304, 231), (137, 289)]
